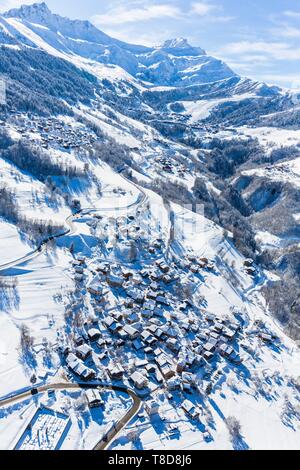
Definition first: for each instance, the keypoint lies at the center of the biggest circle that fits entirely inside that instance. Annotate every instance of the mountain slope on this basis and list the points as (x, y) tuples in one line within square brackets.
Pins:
[(39, 16)]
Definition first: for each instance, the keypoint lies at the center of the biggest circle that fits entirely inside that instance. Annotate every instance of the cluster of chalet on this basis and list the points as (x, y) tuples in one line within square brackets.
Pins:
[(170, 165), (77, 366), (170, 339), (195, 265), (52, 132), (79, 267)]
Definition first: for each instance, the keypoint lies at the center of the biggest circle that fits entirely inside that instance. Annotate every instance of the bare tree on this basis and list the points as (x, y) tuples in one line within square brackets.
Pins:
[(26, 338), (234, 427)]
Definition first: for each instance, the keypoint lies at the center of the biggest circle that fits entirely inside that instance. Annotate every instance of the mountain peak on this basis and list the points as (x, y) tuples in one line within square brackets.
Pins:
[(29, 11), (180, 46), (178, 43)]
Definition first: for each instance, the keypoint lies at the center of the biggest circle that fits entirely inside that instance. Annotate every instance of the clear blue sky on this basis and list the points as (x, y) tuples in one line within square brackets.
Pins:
[(258, 38)]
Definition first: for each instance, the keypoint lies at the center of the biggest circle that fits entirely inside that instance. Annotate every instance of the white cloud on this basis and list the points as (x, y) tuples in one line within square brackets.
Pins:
[(274, 50), (292, 14), (287, 31), (202, 9), (142, 11), (209, 12), (219, 18), (135, 37), (121, 15), (264, 58), (286, 24), (264, 71)]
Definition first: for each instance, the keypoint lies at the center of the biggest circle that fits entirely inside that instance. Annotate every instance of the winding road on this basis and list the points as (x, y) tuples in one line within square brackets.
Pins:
[(69, 222)]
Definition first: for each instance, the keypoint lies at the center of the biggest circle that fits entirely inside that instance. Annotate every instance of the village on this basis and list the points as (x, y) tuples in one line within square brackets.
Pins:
[(144, 331), (52, 132), (170, 166)]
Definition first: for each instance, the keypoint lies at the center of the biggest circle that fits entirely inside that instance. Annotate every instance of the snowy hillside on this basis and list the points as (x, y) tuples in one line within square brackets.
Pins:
[(149, 245)]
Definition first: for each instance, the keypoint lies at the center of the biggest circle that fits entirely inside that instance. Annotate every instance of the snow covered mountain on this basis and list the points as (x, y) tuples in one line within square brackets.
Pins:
[(174, 78), (174, 63), (39, 15), (149, 237)]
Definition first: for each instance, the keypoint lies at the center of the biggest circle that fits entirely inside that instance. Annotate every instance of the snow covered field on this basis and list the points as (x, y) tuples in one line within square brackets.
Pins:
[(272, 137), (288, 172), (200, 110), (12, 246), (34, 302)]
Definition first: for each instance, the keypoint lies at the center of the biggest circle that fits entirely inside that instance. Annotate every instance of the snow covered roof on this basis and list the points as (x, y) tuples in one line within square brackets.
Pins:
[(130, 330), (138, 379), (84, 349), (95, 284)]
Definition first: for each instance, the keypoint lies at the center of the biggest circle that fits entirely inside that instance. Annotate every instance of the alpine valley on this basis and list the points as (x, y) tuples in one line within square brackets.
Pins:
[(149, 245)]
